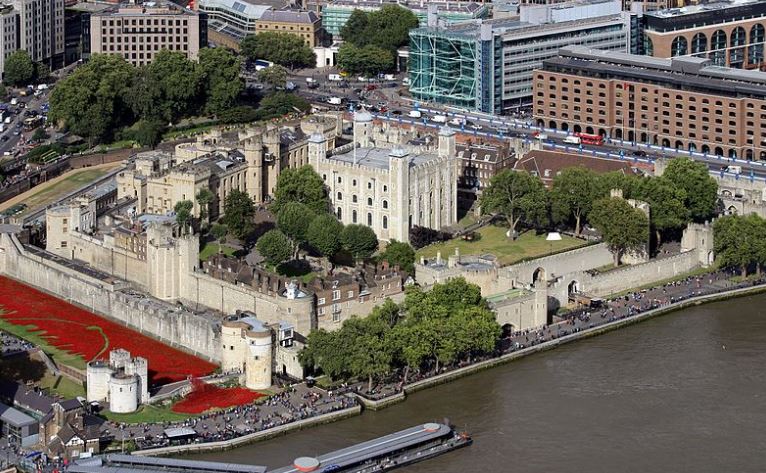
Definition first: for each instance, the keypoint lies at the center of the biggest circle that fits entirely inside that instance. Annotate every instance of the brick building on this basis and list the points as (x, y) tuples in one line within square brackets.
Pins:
[(304, 24), (684, 102), (730, 32)]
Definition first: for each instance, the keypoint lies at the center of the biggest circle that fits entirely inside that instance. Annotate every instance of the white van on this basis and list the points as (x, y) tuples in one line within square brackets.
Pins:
[(572, 140), (7, 120), (439, 119), (335, 77), (415, 114), (14, 101), (335, 100), (735, 169)]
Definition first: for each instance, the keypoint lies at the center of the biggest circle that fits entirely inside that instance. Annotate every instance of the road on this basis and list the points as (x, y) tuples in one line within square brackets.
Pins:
[(485, 125)]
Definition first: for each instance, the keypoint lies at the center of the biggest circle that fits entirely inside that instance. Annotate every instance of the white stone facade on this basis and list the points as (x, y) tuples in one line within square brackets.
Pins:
[(123, 381), (389, 190), (248, 348)]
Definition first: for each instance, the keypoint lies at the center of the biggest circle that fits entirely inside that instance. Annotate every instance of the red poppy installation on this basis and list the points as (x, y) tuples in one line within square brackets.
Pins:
[(83, 333), (207, 396)]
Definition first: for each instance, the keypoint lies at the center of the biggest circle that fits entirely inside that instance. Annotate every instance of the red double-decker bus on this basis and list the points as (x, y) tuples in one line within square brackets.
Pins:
[(588, 139)]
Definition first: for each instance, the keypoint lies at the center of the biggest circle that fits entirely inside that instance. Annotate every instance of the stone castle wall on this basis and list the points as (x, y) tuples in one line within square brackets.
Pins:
[(111, 297)]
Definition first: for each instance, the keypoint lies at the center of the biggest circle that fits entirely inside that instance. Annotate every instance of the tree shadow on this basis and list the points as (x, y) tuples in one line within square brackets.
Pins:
[(22, 368), (294, 268)]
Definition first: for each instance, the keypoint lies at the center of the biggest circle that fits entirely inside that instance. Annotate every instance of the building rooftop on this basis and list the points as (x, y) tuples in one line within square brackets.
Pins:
[(380, 157), (14, 417), (289, 16), (682, 72), (90, 7), (547, 164), (715, 6), (250, 9), (508, 295), (416, 5), (158, 7)]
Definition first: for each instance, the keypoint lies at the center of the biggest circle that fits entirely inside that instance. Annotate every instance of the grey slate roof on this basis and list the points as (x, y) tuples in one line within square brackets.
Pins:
[(288, 16)]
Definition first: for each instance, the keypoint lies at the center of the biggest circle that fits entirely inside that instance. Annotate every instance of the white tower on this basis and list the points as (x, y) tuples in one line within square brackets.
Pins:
[(363, 129), (399, 165), (317, 149)]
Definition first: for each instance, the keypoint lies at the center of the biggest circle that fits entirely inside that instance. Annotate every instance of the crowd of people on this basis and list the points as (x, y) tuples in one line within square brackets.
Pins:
[(293, 404)]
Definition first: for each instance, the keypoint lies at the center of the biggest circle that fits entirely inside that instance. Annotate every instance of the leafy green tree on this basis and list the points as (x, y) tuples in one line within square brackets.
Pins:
[(241, 114), (284, 49), (204, 198), (239, 210), (3, 91), (368, 60), (42, 72), (740, 242), (616, 180), (359, 240), (401, 254), (39, 135), (294, 219), (91, 102), (573, 193), (668, 212), (279, 104), (275, 247), (302, 185), (222, 84), (518, 196), (623, 228), (168, 88), (219, 232), (19, 68), (387, 28), (701, 189), (274, 76), (149, 132), (355, 30), (324, 233), (183, 209)]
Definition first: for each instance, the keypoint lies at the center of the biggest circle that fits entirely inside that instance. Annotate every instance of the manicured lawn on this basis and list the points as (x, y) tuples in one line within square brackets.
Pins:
[(493, 240), (72, 181), (147, 414), (212, 248), (62, 386)]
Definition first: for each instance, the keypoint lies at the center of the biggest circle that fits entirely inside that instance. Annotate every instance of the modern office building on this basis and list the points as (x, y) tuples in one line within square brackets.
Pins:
[(685, 102), (305, 24), (138, 31), (487, 65), (41, 30), (9, 24), (335, 13), (229, 21), (77, 29), (731, 33)]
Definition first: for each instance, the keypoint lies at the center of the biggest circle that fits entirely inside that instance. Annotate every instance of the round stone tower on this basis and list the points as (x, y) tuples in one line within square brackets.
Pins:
[(97, 375), (123, 393), (259, 360)]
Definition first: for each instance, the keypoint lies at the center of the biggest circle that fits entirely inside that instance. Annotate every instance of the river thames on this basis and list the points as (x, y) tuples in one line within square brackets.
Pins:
[(682, 392)]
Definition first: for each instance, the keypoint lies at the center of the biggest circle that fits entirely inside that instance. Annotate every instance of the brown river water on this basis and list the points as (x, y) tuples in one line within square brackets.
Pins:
[(685, 392)]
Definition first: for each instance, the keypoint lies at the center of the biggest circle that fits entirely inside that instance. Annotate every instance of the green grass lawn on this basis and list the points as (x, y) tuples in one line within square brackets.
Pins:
[(494, 241), (59, 356), (212, 248), (62, 386), (73, 181), (147, 413)]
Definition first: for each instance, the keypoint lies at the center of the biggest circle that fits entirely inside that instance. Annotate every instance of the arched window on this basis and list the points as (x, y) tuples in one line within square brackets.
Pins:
[(718, 48), (340, 213), (353, 198), (755, 51), (385, 204), (353, 182), (369, 219), (699, 43), (340, 196), (353, 216), (369, 201), (737, 37), (340, 179), (385, 222), (679, 46)]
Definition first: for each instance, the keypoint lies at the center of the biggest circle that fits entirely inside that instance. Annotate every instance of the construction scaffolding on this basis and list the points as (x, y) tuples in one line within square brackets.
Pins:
[(444, 66)]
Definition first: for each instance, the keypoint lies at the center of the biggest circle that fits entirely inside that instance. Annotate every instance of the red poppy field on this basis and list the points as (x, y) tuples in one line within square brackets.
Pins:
[(89, 336), (207, 396)]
